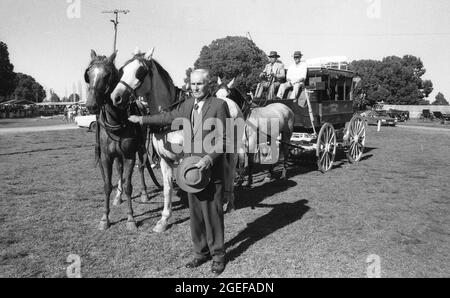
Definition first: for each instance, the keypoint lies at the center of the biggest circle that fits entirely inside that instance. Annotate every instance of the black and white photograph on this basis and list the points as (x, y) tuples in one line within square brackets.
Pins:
[(224, 145)]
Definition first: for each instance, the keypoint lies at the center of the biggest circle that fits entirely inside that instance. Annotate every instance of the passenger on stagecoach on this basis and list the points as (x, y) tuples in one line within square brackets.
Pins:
[(296, 76), (272, 76)]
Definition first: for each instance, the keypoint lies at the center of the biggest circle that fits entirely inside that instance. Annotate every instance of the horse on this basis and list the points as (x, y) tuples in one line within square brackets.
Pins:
[(144, 76), (258, 122), (235, 101), (116, 138)]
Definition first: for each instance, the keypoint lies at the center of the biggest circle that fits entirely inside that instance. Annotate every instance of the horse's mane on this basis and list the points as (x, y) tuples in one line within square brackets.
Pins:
[(235, 94), (141, 57), (102, 60), (164, 92)]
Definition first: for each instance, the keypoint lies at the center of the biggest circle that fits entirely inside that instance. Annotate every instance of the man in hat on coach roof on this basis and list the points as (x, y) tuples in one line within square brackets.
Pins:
[(273, 73), (204, 174), (296, 76)]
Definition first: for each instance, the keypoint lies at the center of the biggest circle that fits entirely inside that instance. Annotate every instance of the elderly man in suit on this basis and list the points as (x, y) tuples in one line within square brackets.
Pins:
[(206, 210)]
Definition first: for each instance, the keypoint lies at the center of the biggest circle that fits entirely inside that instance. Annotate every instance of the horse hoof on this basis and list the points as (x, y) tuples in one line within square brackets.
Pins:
[(160, 227), (267, 179), (228, 208), (131, 226), (103, 225)]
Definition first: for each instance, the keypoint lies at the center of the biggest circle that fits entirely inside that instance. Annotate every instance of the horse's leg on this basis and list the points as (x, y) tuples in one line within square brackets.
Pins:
[(128, 189), (285, 150), (142, 156), (167, 172), (269, 173), (251, 157), (118, 198), (240, 166), (106, 168), (229, 202)]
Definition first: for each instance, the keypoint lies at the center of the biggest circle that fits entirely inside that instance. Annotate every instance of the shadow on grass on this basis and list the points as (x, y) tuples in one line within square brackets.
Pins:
[(156, 213), (251, 197), (280, 216), (306, 164)]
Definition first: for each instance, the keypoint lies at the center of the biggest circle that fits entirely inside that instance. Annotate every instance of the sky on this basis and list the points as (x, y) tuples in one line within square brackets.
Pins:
[(51, 39)]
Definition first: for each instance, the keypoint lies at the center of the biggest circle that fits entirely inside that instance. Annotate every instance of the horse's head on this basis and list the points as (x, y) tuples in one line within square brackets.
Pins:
[(229, 91), (224, 90), (135, 79), (101, 77)]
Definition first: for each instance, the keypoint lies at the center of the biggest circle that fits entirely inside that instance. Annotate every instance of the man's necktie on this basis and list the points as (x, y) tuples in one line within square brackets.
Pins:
[(196, 116)]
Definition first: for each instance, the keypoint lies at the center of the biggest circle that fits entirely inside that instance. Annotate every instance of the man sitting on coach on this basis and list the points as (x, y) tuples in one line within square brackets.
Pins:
[(296, 76), (273, 73)]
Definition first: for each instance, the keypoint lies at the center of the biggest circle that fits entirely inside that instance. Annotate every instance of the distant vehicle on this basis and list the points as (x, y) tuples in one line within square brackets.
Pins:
[(401, 116), (372, 118), (88, 121)]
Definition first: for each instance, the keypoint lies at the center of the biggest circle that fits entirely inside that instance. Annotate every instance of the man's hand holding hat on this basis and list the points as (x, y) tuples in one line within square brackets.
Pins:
[(204, 164)]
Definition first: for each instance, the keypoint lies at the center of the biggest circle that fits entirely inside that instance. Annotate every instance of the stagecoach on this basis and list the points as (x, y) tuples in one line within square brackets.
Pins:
[(324, 116)]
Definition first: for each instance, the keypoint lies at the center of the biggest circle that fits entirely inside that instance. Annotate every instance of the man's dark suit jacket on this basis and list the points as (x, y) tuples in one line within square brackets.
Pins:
[(212, 108)]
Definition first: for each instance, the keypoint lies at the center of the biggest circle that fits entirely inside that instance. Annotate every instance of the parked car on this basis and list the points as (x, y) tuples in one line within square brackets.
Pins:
[(401, 116), (88, 121), (372, 118)]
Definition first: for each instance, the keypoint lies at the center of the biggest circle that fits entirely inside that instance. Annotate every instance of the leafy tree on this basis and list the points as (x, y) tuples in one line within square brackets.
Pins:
[(74, 97), (440, 100), (393, 80), (7, 75), (53, 96), (232, 57), (27, 88)]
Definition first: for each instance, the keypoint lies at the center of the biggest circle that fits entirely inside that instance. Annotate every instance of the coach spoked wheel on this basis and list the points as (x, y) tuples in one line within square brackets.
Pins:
[(326, 147), (356, 139), (93, 126)]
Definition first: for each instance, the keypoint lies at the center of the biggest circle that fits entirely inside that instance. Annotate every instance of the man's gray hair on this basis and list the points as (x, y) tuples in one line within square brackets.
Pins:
[(204, 72)]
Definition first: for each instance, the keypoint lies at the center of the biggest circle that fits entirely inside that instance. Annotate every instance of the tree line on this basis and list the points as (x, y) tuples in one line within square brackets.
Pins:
[(393, 80), (22, 86)]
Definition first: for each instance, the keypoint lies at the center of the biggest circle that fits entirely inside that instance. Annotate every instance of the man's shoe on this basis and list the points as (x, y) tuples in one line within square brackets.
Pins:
[(197, 262), (217, 267)]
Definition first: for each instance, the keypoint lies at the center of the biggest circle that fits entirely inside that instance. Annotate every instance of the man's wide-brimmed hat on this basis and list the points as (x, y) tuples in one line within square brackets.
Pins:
[(190, 178), (274, 54), (297, 54)]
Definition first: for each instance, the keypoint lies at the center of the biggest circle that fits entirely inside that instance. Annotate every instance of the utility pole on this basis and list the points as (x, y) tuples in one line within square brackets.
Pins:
[(116, 21)]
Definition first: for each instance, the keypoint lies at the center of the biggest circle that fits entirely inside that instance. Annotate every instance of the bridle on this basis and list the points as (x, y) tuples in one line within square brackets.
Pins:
[(141, 73)]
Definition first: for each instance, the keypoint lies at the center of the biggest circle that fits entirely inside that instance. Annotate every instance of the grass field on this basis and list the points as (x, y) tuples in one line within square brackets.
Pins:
[(395, 203), (30, 122)]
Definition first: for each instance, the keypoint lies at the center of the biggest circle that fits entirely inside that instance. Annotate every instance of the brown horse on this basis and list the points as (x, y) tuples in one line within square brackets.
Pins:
[(262, 125), (266, 125), (116, 137)]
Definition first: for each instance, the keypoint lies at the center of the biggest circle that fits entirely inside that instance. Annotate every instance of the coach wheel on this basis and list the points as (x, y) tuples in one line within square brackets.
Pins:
[(326, 147), (356, 138), (93, 126)]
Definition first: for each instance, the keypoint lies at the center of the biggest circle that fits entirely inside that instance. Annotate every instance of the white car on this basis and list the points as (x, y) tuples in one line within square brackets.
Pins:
[(88, 121)]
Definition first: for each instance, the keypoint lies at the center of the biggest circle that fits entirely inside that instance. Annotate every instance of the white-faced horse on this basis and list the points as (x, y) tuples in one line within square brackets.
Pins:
[(143, 76)]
